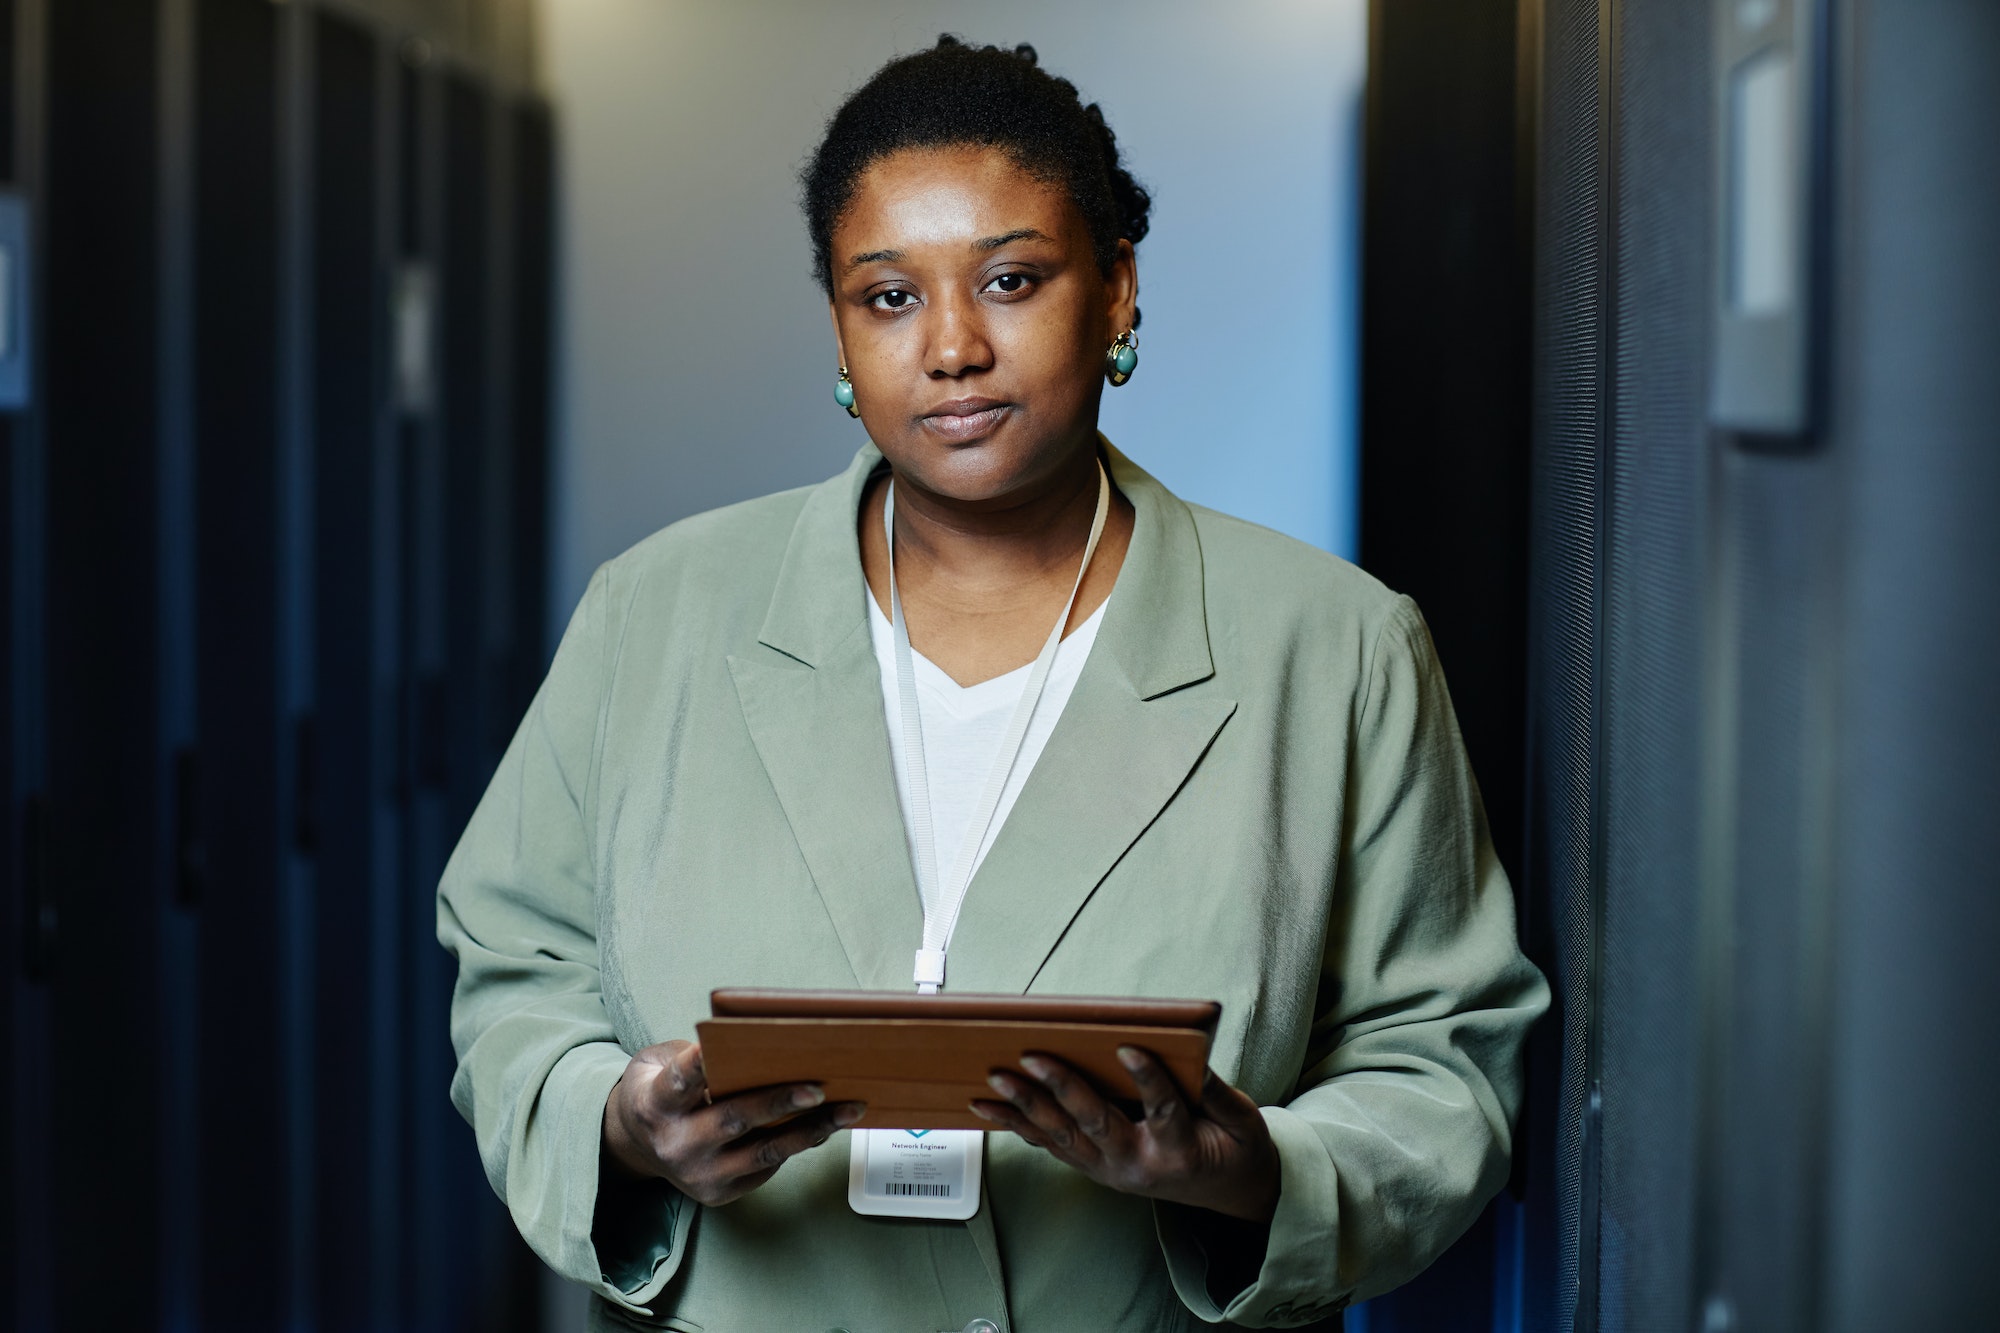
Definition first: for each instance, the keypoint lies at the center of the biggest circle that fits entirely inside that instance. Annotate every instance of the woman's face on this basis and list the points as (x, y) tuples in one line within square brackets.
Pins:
[(973, 320)]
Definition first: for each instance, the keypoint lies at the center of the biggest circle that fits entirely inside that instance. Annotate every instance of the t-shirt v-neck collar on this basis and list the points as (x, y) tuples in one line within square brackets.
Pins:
[(998, 691)]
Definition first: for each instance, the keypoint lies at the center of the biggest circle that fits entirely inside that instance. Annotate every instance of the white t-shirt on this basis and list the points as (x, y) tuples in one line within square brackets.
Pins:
[(963, 728)]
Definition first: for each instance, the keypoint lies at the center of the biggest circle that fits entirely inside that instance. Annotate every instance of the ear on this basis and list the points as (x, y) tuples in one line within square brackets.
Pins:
[(839, 348), (1121, 289)]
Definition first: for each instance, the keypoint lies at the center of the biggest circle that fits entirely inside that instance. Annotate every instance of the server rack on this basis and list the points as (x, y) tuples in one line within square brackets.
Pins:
[(1759, 719), (1722, 516), (231, 772)]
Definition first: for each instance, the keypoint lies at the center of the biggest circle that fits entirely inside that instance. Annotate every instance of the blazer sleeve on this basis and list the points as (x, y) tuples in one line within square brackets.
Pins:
[(537, 1055), (1401, 1126)]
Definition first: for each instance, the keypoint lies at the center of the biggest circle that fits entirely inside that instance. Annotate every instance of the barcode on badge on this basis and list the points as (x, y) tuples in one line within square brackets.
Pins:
[(919, 1191)]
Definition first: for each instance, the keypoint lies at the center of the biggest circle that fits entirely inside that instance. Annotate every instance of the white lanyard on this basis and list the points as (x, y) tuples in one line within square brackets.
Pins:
[(943, 897)]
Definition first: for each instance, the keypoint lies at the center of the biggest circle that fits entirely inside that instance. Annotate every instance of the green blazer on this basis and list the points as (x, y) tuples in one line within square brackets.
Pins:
[(1257, 794)]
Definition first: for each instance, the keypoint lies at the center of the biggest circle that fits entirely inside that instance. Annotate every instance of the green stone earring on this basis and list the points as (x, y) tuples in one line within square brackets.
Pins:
[(1122, 358), (843, 393)]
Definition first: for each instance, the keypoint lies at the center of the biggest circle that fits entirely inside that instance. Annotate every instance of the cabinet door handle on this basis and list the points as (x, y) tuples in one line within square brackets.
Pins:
[(305, 793), (190, 851), (38, 933)]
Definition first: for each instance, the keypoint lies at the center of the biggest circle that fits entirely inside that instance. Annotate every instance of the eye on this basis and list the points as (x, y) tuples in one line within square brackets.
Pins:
[(1007, 284), (893, 299)]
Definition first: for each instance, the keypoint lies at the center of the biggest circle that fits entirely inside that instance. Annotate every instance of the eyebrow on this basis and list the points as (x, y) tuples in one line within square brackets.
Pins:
[(1008, 238), (985, 243)]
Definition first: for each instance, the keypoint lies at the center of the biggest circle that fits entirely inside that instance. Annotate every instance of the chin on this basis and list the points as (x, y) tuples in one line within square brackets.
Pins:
[(986, 469)]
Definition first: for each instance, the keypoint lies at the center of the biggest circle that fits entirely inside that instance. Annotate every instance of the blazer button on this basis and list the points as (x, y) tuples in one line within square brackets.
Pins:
[(982, 1326)]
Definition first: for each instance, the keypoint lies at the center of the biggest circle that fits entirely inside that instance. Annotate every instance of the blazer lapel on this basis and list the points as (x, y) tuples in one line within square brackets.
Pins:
[(1110, 768), (812, 700), (1127, 740)]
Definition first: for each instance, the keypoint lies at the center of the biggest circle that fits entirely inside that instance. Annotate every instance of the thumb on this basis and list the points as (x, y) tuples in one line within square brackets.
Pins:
[(681, 1082)]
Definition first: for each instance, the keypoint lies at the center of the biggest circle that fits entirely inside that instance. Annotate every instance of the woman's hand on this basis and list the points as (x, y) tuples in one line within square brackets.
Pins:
[(1217, 1155), (660, 1122)]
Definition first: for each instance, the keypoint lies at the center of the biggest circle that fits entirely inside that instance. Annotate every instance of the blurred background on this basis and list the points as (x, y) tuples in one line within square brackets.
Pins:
[(1649, 344)]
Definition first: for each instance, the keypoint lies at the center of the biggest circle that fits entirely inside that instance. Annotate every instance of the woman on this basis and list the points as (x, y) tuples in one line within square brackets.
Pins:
[(765, 755)]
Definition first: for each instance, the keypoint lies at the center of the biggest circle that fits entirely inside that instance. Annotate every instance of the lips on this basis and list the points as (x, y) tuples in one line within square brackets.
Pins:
[(966, 419)]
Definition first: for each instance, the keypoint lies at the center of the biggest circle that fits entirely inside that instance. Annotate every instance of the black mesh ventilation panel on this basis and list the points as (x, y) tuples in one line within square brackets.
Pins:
[(1562, 731), (1648, 1014)]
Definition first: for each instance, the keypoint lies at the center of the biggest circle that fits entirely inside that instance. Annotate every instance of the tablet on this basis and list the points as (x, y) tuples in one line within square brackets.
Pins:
[(918, 1060)]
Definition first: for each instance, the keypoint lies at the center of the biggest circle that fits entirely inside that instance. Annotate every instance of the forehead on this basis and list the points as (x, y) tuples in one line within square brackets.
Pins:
[(948, 196)]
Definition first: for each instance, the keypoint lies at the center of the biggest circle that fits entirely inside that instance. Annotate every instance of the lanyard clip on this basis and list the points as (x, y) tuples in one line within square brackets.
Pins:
[(930, 971)]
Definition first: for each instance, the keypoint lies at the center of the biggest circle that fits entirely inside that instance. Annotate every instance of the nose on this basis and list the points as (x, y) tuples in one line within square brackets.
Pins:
[(958, 343)]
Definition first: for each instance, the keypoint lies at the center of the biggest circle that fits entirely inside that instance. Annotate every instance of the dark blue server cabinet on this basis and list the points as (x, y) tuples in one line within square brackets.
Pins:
[(271, 589), (1715, 500)]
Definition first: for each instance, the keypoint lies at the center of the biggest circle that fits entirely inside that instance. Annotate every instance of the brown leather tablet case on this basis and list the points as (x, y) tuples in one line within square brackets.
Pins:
[(918, 1060)]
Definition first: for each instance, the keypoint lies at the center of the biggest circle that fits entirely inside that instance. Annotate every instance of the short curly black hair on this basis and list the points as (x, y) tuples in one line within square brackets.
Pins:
[(958, 94)]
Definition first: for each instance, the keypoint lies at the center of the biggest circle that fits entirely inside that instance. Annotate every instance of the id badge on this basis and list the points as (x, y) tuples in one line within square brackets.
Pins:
[(915, 1172)]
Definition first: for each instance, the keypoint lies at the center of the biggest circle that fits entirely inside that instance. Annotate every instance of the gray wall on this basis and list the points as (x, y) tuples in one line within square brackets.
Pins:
[(695, 352)]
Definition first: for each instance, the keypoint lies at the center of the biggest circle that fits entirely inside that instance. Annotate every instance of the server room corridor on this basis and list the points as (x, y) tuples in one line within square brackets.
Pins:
[(1648, 345)]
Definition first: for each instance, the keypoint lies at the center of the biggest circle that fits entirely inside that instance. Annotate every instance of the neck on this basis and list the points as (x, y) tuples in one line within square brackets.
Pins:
[(1037, 530), (981, 581)]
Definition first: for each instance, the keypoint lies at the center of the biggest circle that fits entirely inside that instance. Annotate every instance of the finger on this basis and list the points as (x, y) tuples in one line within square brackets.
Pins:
[(1167, 1116), (1006, 1117), (1230, 1107), (731, 1118), (1053, 1125), (1101, 1122), (761, 1154)]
